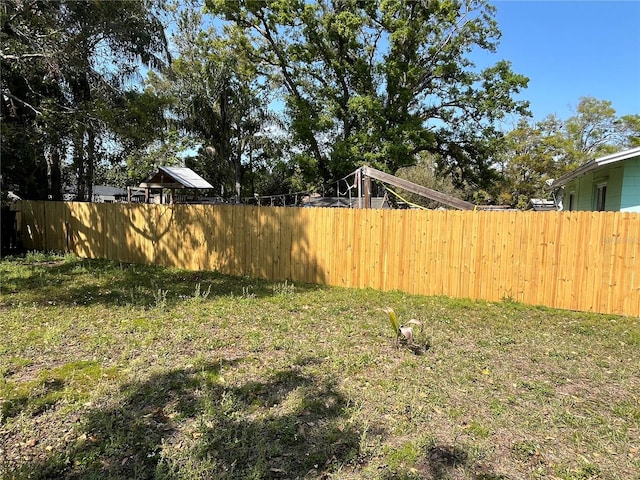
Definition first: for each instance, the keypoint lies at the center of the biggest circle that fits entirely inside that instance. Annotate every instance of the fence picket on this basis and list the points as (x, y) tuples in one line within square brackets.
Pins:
[(574, 260)]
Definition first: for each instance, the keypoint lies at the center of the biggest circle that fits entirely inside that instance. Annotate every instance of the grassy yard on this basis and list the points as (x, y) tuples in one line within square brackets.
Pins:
[(123, 371)]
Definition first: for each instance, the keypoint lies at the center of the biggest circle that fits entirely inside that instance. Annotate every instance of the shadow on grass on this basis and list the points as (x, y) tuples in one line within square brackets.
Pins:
[(47, 395), (441, 462), (112, 283), (187, 423)]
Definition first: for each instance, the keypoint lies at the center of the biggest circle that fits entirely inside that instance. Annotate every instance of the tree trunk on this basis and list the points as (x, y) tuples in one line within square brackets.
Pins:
[(91, 158), (237, 171), (78, 162), (54, 173)]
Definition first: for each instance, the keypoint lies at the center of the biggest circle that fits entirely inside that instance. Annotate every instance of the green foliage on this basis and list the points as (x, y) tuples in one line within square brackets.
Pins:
[(632, 124), (68, 72), (217, 100), (200, 294), (595, 130), (284, 289), (160, 298), (428, 172), (379, 82), (393, 320), (535, 153)]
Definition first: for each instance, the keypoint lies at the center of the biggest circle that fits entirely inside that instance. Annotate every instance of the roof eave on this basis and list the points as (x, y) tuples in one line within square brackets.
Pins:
[(177, 181), (578, 172), (594, 164)]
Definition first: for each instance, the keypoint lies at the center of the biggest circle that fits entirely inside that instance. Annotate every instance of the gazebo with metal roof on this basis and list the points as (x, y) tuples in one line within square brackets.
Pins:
[(173, 178)]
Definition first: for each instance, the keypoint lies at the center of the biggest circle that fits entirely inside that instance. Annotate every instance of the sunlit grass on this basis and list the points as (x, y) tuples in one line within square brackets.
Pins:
[(121, 371)]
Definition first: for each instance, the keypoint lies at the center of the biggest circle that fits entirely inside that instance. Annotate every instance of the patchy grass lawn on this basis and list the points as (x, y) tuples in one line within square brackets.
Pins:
[(123, 371)]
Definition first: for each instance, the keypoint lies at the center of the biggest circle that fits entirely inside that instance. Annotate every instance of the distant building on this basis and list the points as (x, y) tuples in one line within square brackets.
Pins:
[(107, 194), (610, 183), (540, 205), (171, 178)]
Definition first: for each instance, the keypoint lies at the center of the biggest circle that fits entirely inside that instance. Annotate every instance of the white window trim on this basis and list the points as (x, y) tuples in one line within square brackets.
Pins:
[(599, 186)]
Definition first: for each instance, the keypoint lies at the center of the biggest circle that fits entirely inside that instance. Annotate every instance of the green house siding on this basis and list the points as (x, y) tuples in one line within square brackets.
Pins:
[(584, 189), (614, 178), (630, 198)]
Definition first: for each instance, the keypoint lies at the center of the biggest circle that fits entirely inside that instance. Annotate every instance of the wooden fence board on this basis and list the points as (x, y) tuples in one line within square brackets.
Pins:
[(575, 260), (512, 264), (547, 259), (422, 232), (628, 257), (565, 235), (471, 232), (417, 227), (432, 247), (478, 266), (371, 275), (535, 258)]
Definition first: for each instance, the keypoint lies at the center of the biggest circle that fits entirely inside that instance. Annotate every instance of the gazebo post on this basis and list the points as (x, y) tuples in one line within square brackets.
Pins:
[(367, 191)]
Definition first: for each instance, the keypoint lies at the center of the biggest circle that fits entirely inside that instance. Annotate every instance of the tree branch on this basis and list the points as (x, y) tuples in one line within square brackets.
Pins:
[(8, 94), (23, 57)]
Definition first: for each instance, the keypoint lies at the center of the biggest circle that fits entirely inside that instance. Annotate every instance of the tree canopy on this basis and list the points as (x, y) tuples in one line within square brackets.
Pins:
[(277, 96), (379, 82), (215, 98), (537, 152), (66, 69)]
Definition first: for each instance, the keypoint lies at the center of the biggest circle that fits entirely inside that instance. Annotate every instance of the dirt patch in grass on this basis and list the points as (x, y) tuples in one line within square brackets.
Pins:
[(122, 371)]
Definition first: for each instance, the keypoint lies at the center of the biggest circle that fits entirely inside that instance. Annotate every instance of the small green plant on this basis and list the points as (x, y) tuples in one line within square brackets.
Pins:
[(507, 298), (284, 289), (404, 333), (246, 292), (200, 294), (160, 298), (33, 256), (136, 293)]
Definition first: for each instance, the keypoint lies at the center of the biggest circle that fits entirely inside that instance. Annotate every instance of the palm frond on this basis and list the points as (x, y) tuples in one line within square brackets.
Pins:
[(393, 320)]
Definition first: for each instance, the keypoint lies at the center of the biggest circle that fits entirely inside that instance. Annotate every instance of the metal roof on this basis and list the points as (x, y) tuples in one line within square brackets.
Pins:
[(541, 205), (176, 177), (593, 164), (108, 190)]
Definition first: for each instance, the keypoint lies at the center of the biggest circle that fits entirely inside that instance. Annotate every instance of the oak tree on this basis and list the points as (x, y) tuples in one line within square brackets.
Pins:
[(379, 82)]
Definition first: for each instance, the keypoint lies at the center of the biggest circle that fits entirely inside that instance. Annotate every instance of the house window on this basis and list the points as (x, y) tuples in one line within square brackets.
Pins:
[(572, 201), (601, 196)]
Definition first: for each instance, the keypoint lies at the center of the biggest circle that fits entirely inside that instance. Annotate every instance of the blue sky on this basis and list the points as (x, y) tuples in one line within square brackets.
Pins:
[(573, 49), (570, 49)]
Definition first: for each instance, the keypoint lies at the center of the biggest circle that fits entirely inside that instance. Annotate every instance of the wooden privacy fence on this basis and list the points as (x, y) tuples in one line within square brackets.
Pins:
[(586, 261)]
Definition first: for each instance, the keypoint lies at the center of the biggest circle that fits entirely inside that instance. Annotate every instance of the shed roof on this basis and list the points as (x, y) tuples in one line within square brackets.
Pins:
[(541, 205), (108, 190), (175, 177), (593, 164)]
